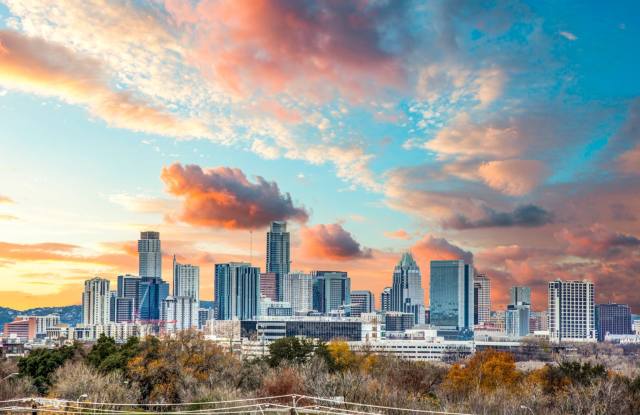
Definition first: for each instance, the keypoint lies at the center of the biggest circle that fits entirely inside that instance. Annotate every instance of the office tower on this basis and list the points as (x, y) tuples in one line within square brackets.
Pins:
[(538, 321), (237, 291), (331, 291), (297, 290), (149, 255), (520, 295), (571, 311), (127, 298), (179, 313), (396, 321), (613, 319), (269, 285), (481, 299), (362, 301), (451, 298), (517, 320), (407, 294), (113, 295), (186, 280), (385, 299), (152, 292), (96, 300), (278, 253), (270, 308)]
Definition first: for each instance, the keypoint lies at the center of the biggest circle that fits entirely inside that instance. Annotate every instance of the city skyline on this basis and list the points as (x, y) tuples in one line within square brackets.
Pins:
[(504, 134)]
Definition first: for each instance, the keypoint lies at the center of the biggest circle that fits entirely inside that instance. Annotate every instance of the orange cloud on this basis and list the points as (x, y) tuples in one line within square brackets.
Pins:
[(331, 242), (224, 197), (282, 46), (629, 161), (5, 199), (597, 241), (37, 66), (398, 234), (513, 177)]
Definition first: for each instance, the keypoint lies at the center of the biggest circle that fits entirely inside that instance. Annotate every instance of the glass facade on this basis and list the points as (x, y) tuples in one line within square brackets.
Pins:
[(237, 291), (451, 296)]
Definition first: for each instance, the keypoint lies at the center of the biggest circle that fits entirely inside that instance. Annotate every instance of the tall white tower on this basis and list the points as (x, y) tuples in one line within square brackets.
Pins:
[(96, 301), (149, 255)]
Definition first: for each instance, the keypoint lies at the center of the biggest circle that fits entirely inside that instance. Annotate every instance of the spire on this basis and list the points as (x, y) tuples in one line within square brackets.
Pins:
[(407, 260)]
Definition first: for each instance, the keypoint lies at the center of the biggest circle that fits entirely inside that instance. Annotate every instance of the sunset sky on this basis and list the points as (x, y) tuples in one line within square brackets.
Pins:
[(505, 132)]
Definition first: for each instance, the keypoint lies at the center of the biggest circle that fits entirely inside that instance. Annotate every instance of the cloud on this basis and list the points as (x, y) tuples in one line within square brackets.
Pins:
[(568, 35), (223, 197), (5, 199), (629, 161), (525, 216), (143, 204), (433, 248), (597, 241), (283, 46), (331, 242), (398, 234), (38, 66), (7, 217), (513, 177)]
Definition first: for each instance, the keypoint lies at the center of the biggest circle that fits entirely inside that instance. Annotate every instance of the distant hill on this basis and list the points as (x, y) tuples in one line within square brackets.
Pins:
[(71, 314)]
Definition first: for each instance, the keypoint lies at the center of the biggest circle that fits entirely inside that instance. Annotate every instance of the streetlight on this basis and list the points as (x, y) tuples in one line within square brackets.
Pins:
[(527, 408)]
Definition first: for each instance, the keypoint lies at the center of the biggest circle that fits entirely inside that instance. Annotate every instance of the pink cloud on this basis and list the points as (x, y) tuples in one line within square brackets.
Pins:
[(513, 177), (331, 242), (398, 234), (597, 241)]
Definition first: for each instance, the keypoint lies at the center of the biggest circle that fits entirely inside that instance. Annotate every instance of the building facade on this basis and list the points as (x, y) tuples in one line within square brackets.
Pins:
[(297, 290), (149, 255), (237, 291), (331, 291), (517, 320), (481, 299), (152, 292), (269, 283), (613, 319), (179, 313), (385, 299), (127, 307), (451, 298), (571, 311), (96, 301), (186, 280), (407, 294), (398, 321), (520, 295), (362, 301)]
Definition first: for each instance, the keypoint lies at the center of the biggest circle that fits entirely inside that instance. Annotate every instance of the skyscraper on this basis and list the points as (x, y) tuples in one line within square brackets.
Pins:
[(96, 301), (127, 306), (149, 255), (237, 291), (571, 311), (517, 320), (179, 313), (269, 285), (152, 291), (297, 290), (407, 294), (451, 298), (385, 299), (362, 301), (613, 319), (331, 291), (481, 299), (278, 252), (520, 295), (186, 280)]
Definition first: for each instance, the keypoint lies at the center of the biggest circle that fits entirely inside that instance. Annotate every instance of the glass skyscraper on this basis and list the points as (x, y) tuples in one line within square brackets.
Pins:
[(613, 319), (362, 301), (186, 280), (237, 291), (331, 291), (278, 253), (149, 255), (451, 298), (407, 294)]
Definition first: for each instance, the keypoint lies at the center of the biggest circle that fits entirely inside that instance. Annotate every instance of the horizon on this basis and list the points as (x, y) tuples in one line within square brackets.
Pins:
[(504, 134)]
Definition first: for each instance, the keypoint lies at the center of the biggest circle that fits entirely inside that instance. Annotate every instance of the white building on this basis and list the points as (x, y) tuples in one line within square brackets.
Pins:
[(179, 313), (571, 311), (43, 322), (186, 280), (297, 290), (120, 332), (96, 301)]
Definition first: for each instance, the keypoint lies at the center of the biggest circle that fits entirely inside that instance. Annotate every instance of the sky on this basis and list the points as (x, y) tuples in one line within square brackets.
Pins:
[(506, 133)]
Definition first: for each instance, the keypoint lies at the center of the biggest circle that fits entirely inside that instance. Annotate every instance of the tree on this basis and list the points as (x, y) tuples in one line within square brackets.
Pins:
[(41, 363), (290, 349), (487, 370), (107, 356), (341, 356)]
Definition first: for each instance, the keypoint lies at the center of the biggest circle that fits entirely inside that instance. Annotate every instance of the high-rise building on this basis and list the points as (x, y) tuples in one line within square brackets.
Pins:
[(571, 311), (96, 300), (407, 294), (179, 313), (613, 319), (331, 291), (297, 290), (520, 295), (149, 255), (451, 298), (362, 301), (397, 321), (517, 320), (385, 299), (113, 296), (481, 299), (127, 306), (186, 280), (538, 321), (278, 252), (237, 291), (269, 285), (152, 291)]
